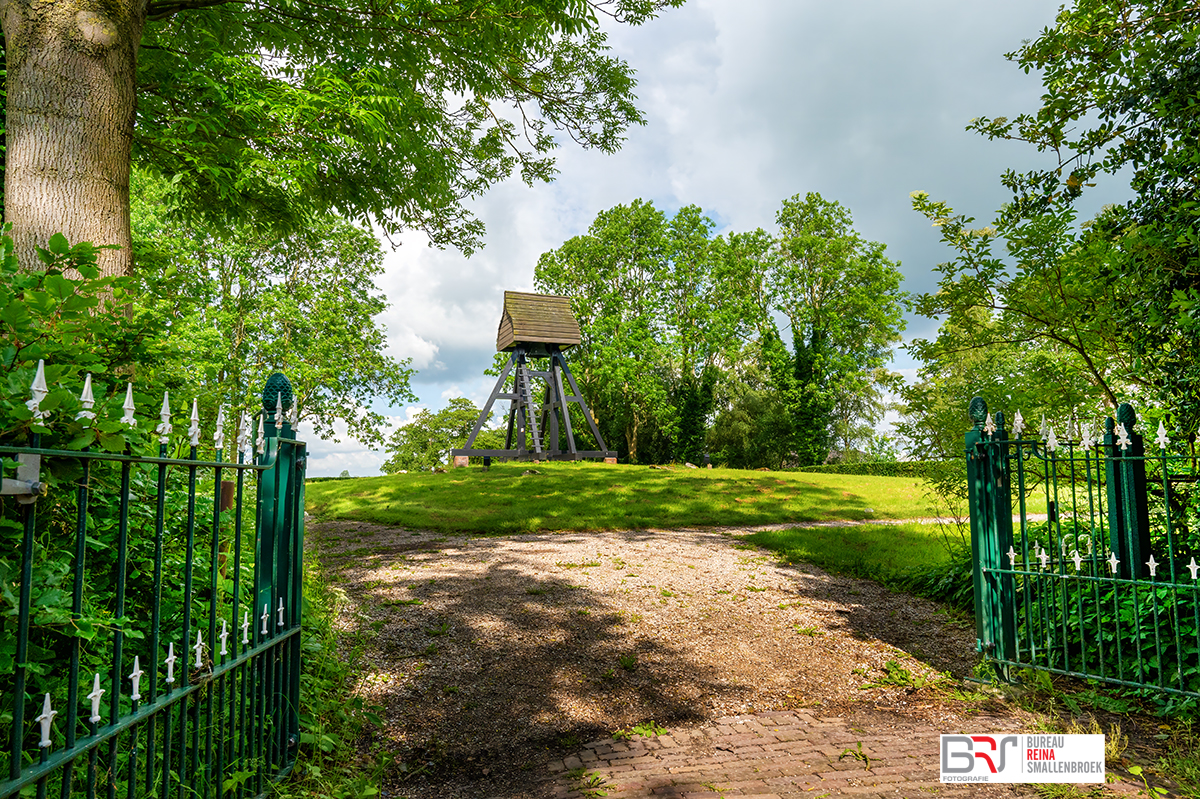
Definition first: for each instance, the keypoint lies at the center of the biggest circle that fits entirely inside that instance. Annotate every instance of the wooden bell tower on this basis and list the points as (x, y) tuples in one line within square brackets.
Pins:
[(537, 326)]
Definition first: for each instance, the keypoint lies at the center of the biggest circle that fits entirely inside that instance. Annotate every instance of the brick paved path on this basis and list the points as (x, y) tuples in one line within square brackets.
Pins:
[(780, 755)]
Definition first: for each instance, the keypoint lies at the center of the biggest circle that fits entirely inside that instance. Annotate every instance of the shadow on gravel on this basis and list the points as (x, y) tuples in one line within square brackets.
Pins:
[(570, 667)]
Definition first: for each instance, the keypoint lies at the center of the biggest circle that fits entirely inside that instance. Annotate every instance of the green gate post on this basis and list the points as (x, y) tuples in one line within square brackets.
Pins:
[(990, 502), (278, 570), (1128, 512)]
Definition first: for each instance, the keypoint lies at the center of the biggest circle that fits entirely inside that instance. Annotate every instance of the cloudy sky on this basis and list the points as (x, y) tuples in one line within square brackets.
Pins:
[(747, 102)]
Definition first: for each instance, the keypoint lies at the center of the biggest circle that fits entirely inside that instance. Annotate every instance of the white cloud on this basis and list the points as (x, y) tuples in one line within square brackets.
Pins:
[(747, 103)]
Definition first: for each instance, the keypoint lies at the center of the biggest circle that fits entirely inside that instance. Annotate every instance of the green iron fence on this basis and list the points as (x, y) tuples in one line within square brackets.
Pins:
[(1085, 552), (150, 609)]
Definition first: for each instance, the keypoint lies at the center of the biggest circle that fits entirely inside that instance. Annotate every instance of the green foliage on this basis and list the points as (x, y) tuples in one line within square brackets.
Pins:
[(390, 114), (426, 441), (336, 760), (678, 326), (1040, 337), (949, 581), (78, 325), (752, 432), (647, 729), (252, 303), (918, 469), (1147, 636), (1113, 300)]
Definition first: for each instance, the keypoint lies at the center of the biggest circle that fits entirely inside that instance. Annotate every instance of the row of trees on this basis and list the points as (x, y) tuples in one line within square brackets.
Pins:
[(759, 348), (1050, 314)]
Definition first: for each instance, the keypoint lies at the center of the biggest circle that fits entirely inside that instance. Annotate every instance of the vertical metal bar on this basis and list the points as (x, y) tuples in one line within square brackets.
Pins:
[(92, 755), (297, 532), (213, 579), (23, 603), (155, 613), (81, 507), (258, 749), (189, 562), (1054, 543), (244, 671), (119, 611), (1022, 512)]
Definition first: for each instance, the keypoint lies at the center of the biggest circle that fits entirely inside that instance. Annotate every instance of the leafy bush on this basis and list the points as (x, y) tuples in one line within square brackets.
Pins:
[(951, 583), (919, 469)]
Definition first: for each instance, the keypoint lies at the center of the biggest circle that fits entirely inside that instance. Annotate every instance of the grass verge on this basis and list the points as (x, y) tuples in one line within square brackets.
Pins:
[(914, 557), (593, 496), (335, 760)]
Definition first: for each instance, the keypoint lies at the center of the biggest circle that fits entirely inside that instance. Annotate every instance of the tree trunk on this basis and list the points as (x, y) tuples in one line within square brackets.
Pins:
[(70, 110)]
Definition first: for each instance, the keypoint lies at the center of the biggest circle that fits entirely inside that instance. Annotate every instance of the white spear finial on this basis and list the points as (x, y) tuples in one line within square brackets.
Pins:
[(279, 413), (1051, 441), (128, 419), (266, 614), (1162, 440), (38, 392), (224, 636), (1018, 425), (194, 427), (1153, 564), (45, 720), (171, 663), (87, 401), (219, 430), (1085, 437), (245, 626), (1123, 437), (198, 649), (136, 676), (95, 695), (243, 434), (260, 438), (165, 427), (989, 426), (295, 415), (1044, 428), (280, 622)]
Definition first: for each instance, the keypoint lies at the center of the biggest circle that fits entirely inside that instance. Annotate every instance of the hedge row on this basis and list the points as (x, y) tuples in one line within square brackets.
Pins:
[(888, 468)]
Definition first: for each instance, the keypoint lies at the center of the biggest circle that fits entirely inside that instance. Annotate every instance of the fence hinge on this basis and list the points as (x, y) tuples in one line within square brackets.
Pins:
[(27, 486)]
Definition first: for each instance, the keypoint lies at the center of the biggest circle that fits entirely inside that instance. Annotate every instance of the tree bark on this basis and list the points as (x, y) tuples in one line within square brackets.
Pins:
[(72, 67)]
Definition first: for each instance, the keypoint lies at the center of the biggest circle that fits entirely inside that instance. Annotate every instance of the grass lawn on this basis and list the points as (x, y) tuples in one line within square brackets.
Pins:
[(876, 551), (597, 496)]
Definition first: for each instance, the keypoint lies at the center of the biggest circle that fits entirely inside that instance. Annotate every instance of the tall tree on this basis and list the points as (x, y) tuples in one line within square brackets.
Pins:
[(275, 111), (841, 296), (249, 303), (1121, 82), (610, 275)]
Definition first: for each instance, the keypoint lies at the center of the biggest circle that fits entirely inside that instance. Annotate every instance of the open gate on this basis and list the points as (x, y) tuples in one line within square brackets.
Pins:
[(150, 608), (1095, 574)]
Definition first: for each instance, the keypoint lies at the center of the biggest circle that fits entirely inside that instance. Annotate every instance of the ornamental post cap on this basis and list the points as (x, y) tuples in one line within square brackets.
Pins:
[(278, 389), (1126, 416), (977, 410)]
